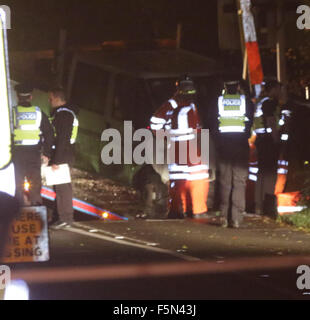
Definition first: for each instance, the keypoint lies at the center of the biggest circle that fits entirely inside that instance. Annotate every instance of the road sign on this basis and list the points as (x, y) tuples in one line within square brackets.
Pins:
[(28, 237)]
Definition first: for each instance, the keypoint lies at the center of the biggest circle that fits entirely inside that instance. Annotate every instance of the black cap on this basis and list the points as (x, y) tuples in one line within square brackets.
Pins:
[(232, 86), (24, 89)]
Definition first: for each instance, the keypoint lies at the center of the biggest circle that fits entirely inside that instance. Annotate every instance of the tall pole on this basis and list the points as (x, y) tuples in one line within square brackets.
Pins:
[(61, 54), (281, 64), (240, 26), (243, 48), (179, 35)]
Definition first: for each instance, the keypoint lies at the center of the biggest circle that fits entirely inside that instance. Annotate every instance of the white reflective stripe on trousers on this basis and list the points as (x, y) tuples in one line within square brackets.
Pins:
[(282, 163), (253, 170), (282, 209), (284, 137), (263, 130), (282, 171), (253, 177)]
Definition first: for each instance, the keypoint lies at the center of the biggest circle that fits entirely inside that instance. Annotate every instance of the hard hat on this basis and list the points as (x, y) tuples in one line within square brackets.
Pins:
[(185, 85), (24, 89)]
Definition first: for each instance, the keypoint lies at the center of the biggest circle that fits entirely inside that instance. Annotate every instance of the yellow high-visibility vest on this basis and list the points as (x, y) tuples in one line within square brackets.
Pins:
[(232, 113), (27, 122)]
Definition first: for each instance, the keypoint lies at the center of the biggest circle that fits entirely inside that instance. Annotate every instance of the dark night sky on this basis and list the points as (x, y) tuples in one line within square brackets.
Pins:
[(36, 23)]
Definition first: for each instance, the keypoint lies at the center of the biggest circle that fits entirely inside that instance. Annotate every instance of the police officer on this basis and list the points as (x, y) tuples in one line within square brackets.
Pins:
[(33, 134), (235, 120), (266, 128), (65, 125)]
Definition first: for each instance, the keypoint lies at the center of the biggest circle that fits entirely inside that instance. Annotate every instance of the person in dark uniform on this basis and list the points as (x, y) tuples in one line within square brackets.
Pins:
[(65, 123), (33, 140), (235, 121), (266, 128)]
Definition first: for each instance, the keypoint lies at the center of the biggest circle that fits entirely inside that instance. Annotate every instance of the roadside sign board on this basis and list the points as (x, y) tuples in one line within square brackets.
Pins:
[(28, 237)]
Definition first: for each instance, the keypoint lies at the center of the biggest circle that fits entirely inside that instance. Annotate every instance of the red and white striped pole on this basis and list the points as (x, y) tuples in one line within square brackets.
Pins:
[(251, 45)]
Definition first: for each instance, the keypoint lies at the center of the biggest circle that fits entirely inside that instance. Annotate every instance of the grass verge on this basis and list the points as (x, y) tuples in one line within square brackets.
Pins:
[(299, 220)]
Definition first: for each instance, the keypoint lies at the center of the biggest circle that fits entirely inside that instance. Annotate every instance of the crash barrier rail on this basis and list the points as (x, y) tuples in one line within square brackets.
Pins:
[(84, 207)]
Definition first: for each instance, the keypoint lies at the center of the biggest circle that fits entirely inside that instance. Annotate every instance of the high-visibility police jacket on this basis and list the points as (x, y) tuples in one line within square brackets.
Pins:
[(75, 125), (182, 122), (232, 113), (27, 122)]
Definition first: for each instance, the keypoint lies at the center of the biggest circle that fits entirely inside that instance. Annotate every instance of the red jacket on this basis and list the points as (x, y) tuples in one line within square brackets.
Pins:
[(182, 121)]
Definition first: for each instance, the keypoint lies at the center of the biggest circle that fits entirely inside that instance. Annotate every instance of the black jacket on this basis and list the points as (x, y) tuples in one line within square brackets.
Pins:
[(47, 137), (63, 125)]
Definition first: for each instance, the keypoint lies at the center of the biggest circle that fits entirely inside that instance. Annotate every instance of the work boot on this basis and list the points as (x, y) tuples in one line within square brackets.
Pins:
[(236, 225), (239, 225), (224, 222), (199, 216)]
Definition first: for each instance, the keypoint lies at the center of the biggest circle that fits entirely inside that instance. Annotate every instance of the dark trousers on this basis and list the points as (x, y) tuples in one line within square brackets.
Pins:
[(234, 155), (64, 207), (233, 178), (267, 154), (27, 164)]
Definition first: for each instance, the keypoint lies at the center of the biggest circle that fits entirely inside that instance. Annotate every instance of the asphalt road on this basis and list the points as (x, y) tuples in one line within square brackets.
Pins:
[(170, 260)]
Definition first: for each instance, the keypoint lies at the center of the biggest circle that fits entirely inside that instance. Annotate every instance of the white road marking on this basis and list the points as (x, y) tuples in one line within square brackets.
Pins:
[(146, 246), (114, 235)]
